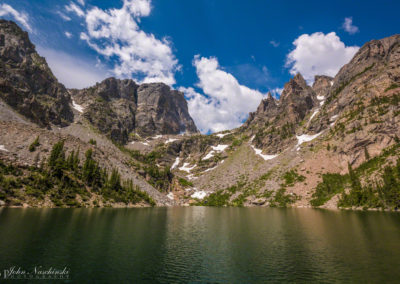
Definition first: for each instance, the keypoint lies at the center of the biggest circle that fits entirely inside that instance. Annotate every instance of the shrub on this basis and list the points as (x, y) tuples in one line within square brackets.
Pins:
[(32, 147)]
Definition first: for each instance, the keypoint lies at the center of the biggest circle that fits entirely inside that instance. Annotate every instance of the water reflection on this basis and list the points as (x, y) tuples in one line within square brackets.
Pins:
[(198, 244)]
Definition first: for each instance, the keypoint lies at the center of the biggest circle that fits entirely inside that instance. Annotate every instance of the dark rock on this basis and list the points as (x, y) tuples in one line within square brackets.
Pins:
[(120, 107), (26, 82)]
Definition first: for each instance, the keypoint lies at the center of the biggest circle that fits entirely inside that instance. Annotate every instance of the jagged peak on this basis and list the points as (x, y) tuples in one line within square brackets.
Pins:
[(270, 98), (294, 86), (299, 79), (322, 80)]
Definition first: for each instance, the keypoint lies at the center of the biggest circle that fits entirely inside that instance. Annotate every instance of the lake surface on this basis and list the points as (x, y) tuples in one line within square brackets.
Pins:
[(203, 245)]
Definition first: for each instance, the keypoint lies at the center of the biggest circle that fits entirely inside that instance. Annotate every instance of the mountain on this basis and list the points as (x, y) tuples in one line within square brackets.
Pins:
[(26, 82), (119, 108), (37, 112), (333, 144)]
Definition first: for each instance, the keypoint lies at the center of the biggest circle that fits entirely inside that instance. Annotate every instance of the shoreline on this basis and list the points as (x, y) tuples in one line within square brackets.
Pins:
[(178, 206)]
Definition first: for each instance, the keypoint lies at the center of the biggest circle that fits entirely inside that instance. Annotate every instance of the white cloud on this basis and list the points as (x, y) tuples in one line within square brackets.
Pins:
[(20, 17), (349, 27), (63, 16), (276, 93), (226, 104), (318, 54), (82, 2), (73, 8), (274, 43), (68, 34), (71, 71), (116, 33)]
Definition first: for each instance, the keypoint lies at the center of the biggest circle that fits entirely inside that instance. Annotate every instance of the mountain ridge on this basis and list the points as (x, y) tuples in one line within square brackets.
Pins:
[(301, 150)]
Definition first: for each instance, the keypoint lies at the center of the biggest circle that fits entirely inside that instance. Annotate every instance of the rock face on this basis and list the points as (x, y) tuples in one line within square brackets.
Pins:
[(274, 123), (322, 85), (115, 107), (26, 82), (296, 100), (121, 107)]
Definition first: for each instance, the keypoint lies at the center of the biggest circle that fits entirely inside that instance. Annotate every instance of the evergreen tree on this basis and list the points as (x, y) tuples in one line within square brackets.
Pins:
[(356, 194), (391, 187), (57, 161), (56, 152), (114, 183)]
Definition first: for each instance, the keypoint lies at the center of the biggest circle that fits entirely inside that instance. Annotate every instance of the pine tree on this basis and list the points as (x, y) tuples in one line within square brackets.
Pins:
[(391, 187), (70, 160), (56, 152), (356, 188), (56, 161), (114, 183)]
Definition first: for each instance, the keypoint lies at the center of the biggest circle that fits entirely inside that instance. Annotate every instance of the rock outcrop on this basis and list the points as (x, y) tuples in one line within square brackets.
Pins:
[(273, 125), (119, 108), (26, 82)]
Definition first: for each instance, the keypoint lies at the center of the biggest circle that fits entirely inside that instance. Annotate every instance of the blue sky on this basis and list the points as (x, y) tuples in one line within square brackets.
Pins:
[(224, 54)]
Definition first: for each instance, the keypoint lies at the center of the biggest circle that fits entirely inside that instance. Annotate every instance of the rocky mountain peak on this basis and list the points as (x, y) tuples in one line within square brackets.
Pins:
[(294, 87), (115, 88), (120, 107), (384, 52), (322, 85), (27, 83)]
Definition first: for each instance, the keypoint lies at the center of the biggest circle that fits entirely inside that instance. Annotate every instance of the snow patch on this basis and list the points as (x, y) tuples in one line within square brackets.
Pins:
[(265, 157), (331, 83), (210, 169), (199, 194), (252, 138), (320, 98), (306, 138), (77, 107), (334, 117), (219, 148), (209, 155), (186, 168), (157, 137), (191, 176), (314, 114), (220, 135), (321, 103), (175, 164), (170, 140), (170, 196), (2, 148)]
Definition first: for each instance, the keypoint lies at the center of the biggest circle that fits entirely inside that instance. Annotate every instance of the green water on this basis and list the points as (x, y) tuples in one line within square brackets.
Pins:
[(203, 245)]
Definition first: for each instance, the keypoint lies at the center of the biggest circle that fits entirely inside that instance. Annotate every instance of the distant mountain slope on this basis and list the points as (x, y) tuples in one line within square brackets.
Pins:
[(286, 147)]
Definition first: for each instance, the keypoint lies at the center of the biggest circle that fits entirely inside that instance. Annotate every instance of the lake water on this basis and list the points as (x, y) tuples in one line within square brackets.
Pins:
[(203, 245)]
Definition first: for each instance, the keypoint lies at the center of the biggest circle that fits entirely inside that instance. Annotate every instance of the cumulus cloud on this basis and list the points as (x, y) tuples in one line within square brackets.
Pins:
[(73, 8), (82, 2), (68, 34), (20, 17), (115, 33), (318, 54), (71, 71), (349, 27), (225, 104)]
